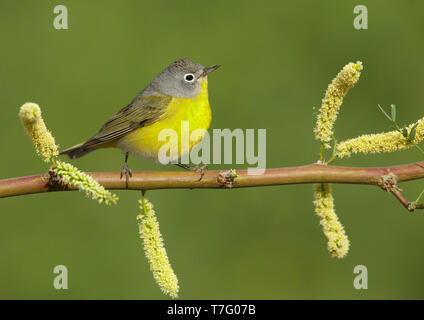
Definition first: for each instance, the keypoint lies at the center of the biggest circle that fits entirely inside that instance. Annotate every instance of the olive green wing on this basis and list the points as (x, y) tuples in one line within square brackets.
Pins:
[(140, 112)]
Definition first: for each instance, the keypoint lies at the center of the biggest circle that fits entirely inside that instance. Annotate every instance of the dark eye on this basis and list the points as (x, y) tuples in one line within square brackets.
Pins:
[(189, 77)]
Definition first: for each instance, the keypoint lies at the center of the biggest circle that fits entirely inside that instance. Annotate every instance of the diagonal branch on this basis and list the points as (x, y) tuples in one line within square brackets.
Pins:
[(410, 206), (389, 183), (149, 180)]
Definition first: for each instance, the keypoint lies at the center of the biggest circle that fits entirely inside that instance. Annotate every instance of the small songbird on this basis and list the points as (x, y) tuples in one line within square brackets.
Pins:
[(179, 93)]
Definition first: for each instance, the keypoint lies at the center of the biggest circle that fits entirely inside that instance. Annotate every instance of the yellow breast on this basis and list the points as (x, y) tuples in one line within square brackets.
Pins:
[(144, 142)]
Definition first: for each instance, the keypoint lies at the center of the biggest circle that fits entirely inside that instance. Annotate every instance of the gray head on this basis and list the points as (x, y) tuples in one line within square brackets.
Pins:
[(181, 79)]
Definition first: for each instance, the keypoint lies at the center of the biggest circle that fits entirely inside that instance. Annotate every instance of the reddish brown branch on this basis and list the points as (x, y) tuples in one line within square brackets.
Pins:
[(410, 206), (148, 180)]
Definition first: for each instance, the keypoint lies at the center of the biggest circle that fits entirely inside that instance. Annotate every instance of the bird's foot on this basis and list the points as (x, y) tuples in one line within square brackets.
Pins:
[(128, 173), (200, 169)]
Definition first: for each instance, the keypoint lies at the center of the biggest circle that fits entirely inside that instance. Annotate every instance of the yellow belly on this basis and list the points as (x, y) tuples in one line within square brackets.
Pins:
[(144, 142)]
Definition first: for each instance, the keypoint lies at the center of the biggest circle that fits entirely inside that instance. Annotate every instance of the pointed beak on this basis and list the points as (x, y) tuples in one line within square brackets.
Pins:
[(208, 70)]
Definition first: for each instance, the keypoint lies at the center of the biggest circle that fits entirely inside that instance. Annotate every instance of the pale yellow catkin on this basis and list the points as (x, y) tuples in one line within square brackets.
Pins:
[(71, 176), (338, 243), (155, 250), (380, 142), (333, 99), (30, 115)]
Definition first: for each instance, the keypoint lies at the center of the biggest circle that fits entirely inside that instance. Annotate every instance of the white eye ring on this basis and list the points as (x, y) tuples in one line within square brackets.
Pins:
[(189, 77)]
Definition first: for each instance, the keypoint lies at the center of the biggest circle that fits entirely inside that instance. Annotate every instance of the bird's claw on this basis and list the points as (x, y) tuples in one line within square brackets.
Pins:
[(201, 169), (128, 173)]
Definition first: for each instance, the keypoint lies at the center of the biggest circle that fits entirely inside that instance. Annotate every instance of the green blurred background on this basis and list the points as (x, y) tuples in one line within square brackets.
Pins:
[(261, 243)]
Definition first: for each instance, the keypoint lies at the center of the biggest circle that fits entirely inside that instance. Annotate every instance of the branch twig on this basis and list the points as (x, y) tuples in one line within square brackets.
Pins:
[(389, 183), (410, 206)]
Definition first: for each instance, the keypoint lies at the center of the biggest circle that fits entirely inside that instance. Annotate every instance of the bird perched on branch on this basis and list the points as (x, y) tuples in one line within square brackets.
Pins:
[(179, 93)]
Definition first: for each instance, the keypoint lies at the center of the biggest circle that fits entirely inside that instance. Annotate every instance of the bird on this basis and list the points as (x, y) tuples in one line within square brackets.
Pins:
[(179, 93)]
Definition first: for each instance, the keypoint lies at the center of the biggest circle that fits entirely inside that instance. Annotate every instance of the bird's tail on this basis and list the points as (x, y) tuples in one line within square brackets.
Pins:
[(78, 151)]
